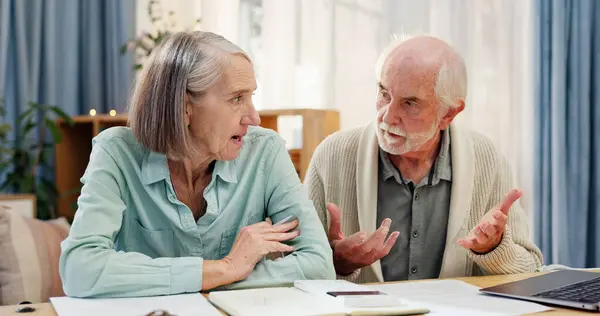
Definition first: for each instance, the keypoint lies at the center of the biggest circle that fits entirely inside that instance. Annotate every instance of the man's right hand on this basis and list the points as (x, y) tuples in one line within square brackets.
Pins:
[(360, 249)]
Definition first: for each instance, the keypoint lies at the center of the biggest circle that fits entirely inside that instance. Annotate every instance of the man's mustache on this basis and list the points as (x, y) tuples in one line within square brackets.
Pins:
[(392, 129)]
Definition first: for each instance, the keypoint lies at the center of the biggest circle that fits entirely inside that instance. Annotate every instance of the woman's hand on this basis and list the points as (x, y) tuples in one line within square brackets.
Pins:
[(256, 241)]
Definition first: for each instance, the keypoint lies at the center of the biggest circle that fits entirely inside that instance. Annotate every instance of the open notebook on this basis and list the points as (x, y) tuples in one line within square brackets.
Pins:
[(310, 298)]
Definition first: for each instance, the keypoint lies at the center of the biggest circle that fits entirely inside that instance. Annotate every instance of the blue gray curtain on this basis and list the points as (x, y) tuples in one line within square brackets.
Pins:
[(567, 215), (65, 53)]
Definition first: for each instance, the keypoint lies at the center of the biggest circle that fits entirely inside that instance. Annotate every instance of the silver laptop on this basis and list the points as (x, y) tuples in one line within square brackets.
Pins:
[(567, 288)]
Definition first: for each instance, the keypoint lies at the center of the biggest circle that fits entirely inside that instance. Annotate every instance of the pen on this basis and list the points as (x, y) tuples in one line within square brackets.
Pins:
[(283, 220)]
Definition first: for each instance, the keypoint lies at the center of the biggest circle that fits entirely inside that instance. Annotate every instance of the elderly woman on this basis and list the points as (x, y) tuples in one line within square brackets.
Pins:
[(181, 200)]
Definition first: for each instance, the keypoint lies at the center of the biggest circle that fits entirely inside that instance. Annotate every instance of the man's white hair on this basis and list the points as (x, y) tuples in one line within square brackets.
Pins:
[(451, 84)]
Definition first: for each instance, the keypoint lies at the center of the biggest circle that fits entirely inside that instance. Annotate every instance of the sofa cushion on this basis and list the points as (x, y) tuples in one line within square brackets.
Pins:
[(30, 251)]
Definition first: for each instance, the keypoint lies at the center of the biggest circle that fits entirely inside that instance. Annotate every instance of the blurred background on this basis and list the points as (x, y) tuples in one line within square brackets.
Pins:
[(532, 67)]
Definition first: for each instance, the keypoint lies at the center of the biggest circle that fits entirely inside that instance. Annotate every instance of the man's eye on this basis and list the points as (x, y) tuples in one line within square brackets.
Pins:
[(385, 95), (411, 103), (237, 99)]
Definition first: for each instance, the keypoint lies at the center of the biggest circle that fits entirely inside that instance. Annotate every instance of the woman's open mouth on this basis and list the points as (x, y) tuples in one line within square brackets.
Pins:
[(237, 139)]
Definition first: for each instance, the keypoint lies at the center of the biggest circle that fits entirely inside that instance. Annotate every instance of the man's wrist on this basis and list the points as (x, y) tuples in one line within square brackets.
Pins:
[(333, 243), (486, 251), (345, 273), (340, 268)]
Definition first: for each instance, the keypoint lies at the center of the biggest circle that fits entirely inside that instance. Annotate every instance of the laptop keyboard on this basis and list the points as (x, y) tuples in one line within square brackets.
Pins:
[(584, 292)]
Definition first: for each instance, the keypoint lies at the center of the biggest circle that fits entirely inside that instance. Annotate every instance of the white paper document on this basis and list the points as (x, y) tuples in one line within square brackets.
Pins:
[(453, 297), (273, 301), (309, 298), (180, 305)]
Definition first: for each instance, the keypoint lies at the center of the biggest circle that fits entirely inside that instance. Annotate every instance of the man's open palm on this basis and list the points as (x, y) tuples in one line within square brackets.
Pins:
[(486, 235), (360, 249)]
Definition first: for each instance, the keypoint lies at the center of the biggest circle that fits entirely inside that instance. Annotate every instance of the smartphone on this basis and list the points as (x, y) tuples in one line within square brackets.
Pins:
[(353, 293)]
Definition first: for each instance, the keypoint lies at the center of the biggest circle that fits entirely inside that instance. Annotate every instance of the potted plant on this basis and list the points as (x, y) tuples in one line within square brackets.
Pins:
[(25, 161), (164, 25)]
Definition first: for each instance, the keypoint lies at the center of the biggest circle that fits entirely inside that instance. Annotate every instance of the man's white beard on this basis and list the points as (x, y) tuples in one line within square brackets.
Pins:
[(412, 141)]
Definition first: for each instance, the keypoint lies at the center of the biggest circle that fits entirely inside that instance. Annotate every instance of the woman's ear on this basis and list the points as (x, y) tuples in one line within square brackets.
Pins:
[(187, 119), (189, 109)]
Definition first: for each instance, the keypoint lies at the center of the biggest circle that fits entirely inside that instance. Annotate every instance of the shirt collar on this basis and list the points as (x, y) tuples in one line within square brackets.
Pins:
[(226, 171), (388, 170), (443, 164), (442, 167), (155, 168)]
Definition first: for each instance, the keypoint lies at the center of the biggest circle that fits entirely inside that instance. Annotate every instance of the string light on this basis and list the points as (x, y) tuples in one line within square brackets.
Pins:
[(92, 112), (112, 113)]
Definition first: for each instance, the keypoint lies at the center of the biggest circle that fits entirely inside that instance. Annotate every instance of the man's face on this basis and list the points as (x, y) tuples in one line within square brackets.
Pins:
[(408, 112)]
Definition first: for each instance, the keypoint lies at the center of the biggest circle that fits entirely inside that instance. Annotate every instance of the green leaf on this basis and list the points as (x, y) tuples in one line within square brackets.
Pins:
[(28, 126), (49, 186), (4, 165), (36, 105), (26, 184), (42, 193), (45, 146), (25, 114), (123, 49), (44, 206), (60, 113), (5, 185), (56, 135), (4, 130), (48, 151)]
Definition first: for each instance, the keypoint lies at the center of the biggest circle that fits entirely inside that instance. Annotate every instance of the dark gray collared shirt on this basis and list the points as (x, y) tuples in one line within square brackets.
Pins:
[(419, 213)]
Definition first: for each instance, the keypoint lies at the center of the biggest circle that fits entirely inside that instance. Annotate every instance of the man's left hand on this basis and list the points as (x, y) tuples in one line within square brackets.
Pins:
[(487, 235)]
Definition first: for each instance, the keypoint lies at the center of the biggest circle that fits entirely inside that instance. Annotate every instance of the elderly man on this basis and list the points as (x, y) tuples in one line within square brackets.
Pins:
[(445, 194)]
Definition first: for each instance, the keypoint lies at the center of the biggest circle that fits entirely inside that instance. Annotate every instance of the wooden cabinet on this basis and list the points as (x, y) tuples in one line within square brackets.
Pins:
[(72, 154)]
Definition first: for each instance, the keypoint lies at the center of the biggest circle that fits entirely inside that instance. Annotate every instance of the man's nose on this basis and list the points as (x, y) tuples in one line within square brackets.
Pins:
[(392, 115)]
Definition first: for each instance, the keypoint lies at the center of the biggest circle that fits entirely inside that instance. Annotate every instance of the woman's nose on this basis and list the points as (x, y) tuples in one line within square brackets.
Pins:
[(252, 118)]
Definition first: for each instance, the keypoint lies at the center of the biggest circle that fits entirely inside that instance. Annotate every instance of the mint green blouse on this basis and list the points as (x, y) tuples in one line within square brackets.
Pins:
[(131, 236)]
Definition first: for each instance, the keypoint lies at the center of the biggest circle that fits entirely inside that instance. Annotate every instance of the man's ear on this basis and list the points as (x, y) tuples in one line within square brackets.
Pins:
[(451, 113)]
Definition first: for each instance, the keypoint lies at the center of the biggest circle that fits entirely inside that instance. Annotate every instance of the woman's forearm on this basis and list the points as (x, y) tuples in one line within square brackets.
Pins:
[(216, 273)]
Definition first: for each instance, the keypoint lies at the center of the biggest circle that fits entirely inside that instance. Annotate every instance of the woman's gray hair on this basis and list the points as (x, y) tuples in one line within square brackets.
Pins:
[(185, 63)]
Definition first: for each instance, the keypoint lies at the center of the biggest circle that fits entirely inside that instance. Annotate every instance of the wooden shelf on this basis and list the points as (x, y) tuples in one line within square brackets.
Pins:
[(72, 154)]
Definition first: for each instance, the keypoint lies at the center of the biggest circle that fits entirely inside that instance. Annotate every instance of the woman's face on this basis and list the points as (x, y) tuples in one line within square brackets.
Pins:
[(220, 120)]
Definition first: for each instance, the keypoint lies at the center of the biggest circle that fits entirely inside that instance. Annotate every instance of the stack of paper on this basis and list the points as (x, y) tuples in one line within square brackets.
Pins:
[(453, 297)]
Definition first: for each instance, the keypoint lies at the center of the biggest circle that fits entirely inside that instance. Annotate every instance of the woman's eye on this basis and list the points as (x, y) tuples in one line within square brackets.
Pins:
[(411, 103)]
